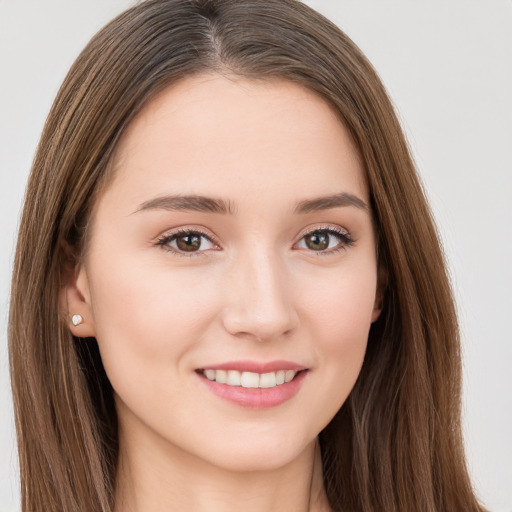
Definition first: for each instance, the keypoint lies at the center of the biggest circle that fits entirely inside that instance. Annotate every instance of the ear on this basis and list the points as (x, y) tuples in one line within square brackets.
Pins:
[(74, 295), (382, 283)]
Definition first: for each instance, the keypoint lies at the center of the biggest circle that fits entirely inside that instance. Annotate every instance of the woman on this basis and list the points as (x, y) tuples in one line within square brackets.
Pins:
[(228, 291)]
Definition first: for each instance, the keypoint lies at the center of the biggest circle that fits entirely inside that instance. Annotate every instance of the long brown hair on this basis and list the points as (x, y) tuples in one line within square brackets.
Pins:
[(395, 445)]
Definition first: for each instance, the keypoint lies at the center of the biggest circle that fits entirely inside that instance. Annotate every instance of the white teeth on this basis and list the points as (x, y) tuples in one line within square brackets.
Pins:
[(210, 374), (268, 380), (288, 376), (233, 378), (220, 376), (250, 379)]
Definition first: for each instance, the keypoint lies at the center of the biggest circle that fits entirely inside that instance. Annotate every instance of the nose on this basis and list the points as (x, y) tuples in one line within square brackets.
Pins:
[(260, 302)]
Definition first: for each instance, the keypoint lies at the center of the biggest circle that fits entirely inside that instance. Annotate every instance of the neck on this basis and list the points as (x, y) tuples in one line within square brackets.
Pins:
[(157, 480)]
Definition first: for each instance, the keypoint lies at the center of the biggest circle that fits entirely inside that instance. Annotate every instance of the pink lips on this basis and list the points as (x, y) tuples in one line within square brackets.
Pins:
[(256, 367), (256, 398)]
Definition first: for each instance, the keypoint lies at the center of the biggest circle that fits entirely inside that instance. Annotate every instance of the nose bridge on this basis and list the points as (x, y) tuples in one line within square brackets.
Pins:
[(260, 302)]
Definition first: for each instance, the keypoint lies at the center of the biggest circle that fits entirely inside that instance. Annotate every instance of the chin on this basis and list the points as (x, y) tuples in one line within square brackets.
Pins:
[(246, 455)]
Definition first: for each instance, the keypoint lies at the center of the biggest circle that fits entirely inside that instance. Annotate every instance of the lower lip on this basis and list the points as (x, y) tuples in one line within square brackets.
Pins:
[(256, 398)]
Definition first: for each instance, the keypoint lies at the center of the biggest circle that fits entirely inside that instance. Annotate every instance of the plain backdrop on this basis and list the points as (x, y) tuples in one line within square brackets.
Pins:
[(448, 67)]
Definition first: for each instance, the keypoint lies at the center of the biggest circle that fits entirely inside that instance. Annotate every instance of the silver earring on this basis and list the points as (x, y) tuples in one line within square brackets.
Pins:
[(76, 320)]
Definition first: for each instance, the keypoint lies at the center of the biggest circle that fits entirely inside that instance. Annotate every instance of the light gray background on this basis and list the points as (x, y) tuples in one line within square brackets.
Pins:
[(448, 67)]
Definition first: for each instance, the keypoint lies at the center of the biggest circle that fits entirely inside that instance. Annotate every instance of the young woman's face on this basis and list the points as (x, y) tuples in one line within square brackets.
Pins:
[(235, 240)]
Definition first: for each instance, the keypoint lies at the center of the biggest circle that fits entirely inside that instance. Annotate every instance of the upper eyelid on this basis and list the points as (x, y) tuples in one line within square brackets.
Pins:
[(323, 227), (169, 233)]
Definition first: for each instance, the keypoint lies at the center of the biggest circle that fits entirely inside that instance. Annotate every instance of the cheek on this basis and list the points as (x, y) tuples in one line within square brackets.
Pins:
[(146, 317), (339, 321), (341, 302)]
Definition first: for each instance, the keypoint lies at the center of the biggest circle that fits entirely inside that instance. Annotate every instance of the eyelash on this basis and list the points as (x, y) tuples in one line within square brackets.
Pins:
[(345, 241)]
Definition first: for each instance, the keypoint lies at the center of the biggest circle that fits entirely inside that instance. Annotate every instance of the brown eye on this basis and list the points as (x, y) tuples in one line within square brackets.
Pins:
[(317, 241), (327, 240), (188, 243)]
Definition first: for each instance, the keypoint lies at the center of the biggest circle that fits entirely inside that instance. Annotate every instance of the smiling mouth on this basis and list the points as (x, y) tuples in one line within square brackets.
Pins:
[(250, 379)]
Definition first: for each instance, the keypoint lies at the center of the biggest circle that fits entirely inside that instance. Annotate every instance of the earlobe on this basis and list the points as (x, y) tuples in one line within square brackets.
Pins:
[(75, 298)]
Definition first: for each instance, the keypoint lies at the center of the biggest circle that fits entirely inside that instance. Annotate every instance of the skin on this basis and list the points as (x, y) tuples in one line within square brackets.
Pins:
[(256, 291)]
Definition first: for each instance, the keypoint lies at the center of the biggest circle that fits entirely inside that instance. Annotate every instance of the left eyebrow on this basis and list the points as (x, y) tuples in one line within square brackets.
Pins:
[(328, 202), (187, 203)]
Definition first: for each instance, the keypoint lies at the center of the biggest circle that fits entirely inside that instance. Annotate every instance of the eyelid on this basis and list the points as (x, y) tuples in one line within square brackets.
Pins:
[(323, 227)]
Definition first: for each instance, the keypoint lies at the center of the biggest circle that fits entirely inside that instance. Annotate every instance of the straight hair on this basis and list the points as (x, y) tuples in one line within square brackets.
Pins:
[(396, 443)]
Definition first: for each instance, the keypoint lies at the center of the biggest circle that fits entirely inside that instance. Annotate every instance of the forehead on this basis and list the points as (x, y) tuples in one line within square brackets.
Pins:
[(230, 136)]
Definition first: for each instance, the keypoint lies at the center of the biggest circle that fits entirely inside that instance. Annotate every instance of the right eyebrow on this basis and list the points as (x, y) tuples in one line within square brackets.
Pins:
[(187, 203)]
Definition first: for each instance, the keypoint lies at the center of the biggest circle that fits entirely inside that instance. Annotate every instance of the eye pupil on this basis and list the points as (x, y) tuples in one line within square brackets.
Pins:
[(188, 243), (317, 241)]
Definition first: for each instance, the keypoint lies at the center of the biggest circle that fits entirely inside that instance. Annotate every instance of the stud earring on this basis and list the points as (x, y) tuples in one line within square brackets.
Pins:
[(76, 320)]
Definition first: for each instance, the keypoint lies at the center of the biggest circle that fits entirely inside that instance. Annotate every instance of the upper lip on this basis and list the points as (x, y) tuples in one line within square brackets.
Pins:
[(256, 366)]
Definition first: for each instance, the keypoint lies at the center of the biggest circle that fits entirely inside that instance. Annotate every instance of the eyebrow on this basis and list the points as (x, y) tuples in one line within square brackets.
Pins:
[(213, 205), (187, 203), (328, 202)]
